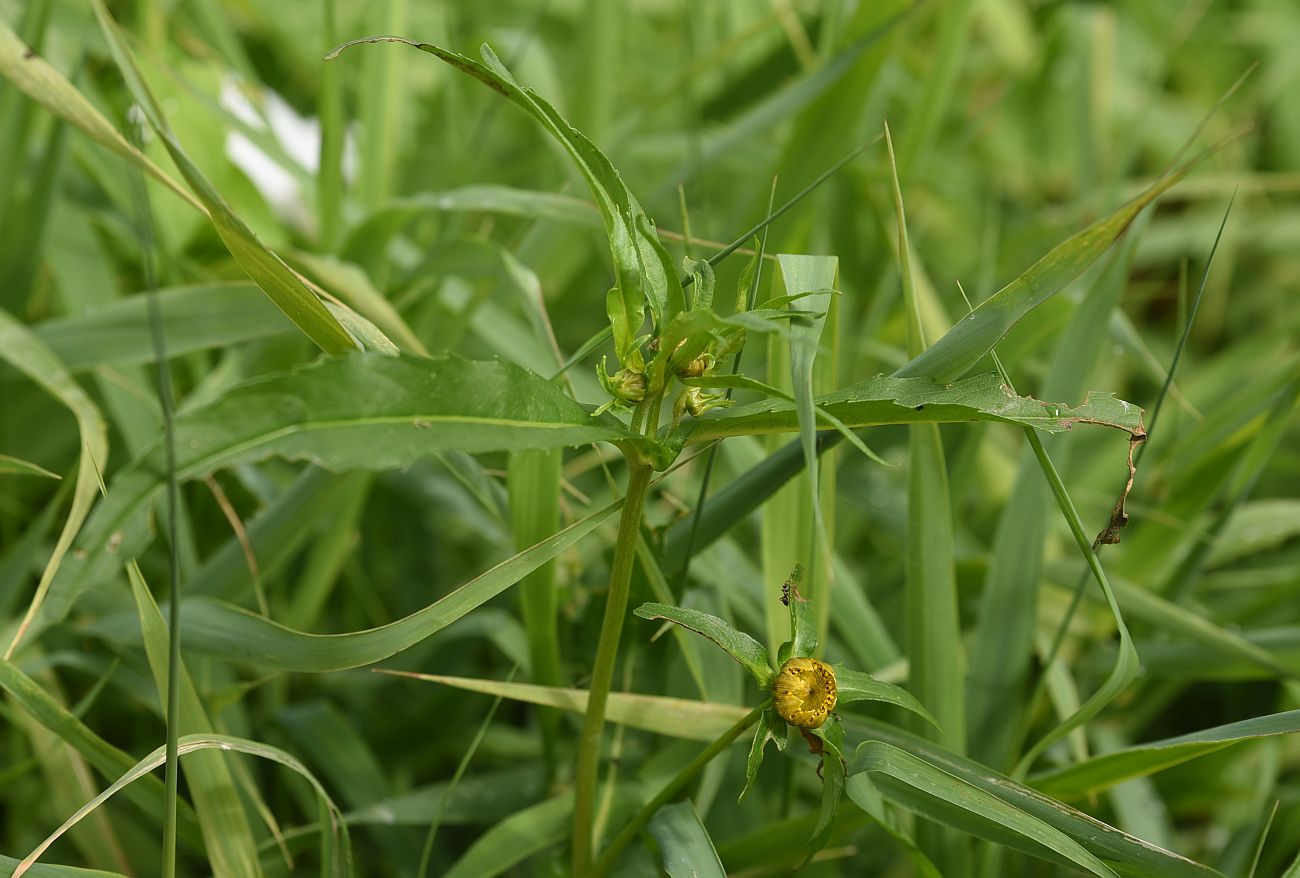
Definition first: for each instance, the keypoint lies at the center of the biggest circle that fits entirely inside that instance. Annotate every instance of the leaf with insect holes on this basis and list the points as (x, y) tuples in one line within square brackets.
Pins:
[(739, 645)]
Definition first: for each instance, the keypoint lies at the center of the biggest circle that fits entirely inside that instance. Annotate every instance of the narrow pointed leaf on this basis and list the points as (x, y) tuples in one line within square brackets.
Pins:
[(739, 645)]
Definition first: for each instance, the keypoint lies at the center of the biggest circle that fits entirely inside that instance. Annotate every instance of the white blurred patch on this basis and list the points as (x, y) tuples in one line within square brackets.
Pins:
[(298, 136)]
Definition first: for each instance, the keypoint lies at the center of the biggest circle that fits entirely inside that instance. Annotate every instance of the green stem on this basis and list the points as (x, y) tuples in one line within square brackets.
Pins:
[(620, 576), (673, 787)]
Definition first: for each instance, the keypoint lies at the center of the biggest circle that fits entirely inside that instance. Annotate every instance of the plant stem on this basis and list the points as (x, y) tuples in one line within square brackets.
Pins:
[(620, 576), (673, 787)]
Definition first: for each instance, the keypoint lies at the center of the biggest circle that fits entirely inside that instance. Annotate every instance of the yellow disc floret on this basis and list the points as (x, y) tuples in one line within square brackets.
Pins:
[(804, 692)]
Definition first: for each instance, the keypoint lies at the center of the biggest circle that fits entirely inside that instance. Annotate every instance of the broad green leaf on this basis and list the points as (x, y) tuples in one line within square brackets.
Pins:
[(663, 715), (739, 645), (358, 412), (224, 631), (190, 744), (645, 274), (684, 843), (920, 400), (928, 790), (1103, 772), (49, 870), (854, 686), (27, 353), (14, 466), (286, 288)]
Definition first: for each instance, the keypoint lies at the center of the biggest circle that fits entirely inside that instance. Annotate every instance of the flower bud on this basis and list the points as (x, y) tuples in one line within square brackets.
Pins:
[(627, 386), (804, 692)]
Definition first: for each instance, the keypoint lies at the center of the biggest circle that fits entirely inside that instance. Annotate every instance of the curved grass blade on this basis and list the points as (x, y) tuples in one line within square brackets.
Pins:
[(285, 287), (33, 358), (195, 744), (515, 839), (645, 274), (1132, 857), (36, 78), (14, 466), (228, 632), (1100, 773), (359, 412), (968, 808)]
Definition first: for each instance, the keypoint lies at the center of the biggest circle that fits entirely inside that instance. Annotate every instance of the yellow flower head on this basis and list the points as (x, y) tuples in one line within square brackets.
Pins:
[(804, 692)]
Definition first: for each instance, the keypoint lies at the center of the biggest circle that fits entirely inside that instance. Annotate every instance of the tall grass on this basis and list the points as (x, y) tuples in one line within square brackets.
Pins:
[(450, 405)]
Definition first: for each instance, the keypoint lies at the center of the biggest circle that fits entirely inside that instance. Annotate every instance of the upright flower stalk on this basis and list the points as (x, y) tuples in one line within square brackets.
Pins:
[(611, 631)]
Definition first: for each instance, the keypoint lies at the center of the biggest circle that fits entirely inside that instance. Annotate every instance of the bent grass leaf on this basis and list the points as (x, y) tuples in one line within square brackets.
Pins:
[(967, 807), (644, 272), (107, 759), (224, 631), (1131, 856), (889, 400), (187, 745), (40, 81), (854, 686), (1103, 772), (33, 358), (358, 412), (739, 645), (228, 837), (286, 288)]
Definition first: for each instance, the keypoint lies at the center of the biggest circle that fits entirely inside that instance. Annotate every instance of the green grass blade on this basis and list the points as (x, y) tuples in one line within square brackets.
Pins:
[(1142, 760), (196, 743), (285, 288), (361, 412), (970, 809), (534, 483), (684, 843), (25, 352), (977, 334), (41, 82), (663, 715), (227, 632)]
